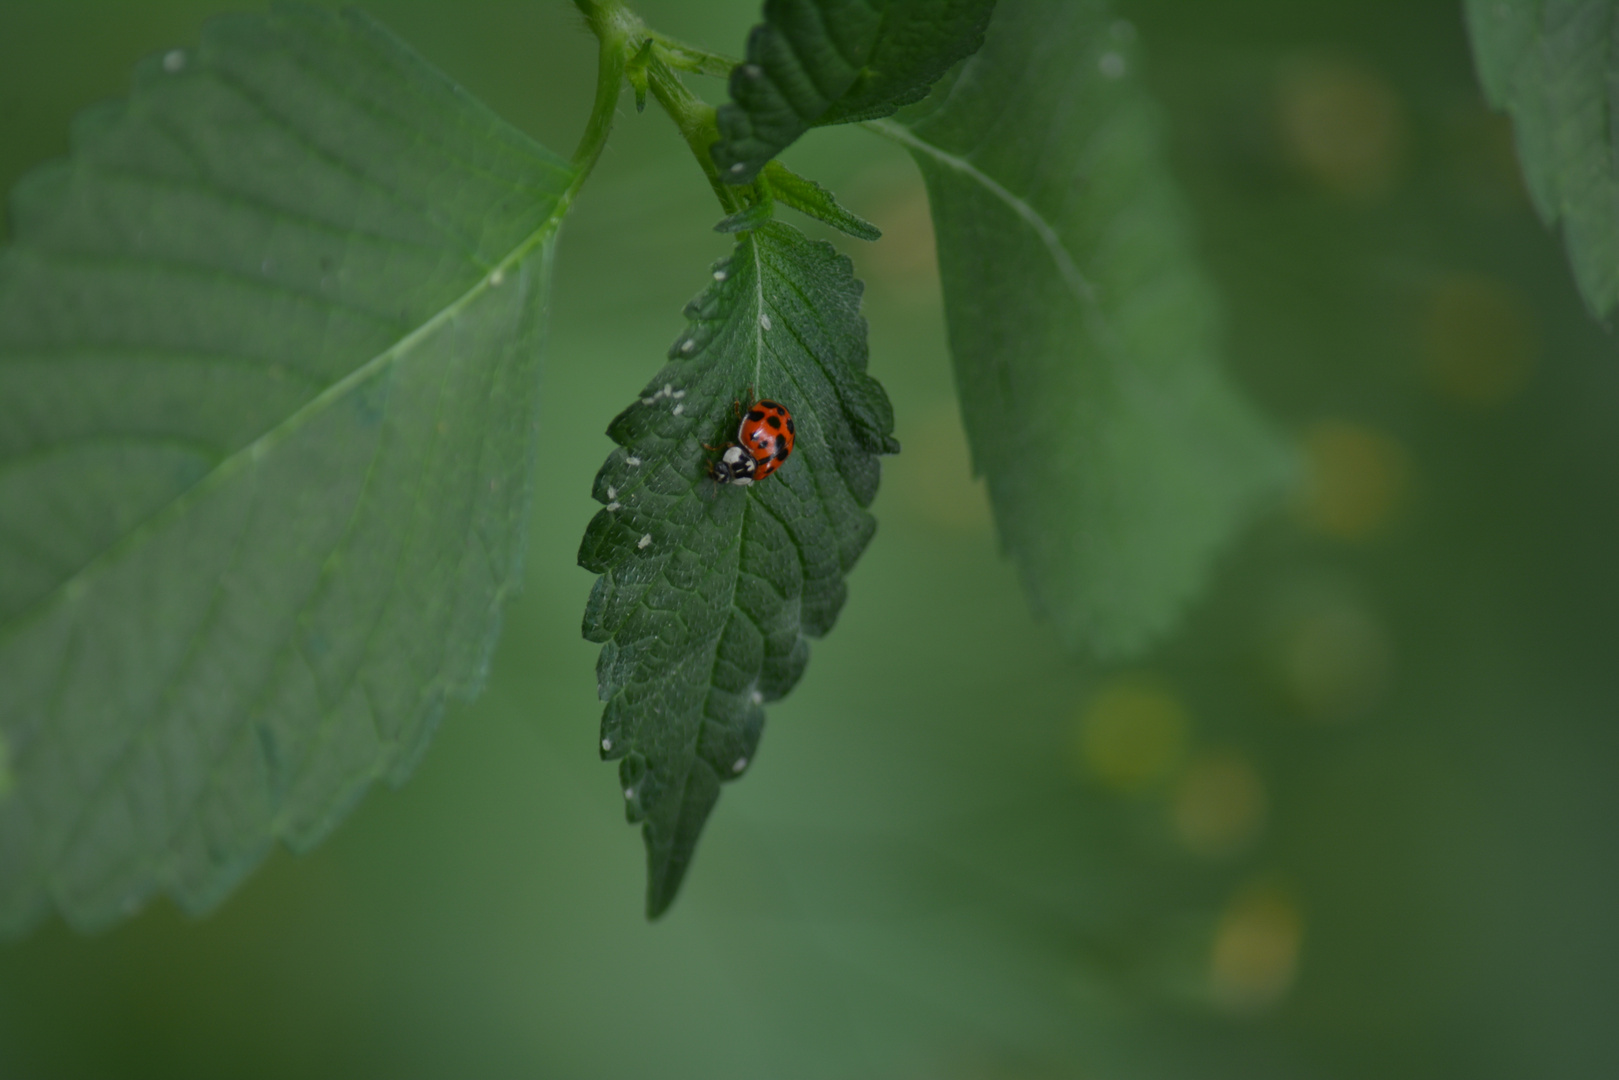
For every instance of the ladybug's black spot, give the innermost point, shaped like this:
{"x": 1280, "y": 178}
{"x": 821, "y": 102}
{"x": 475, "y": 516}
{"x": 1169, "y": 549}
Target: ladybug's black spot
{"x": 790, "y": 426}
{"x": 771, "y": 405}
{"x": 781, "y": 447}
{"x": 755, "y": 415}
{"x": 774, "y": 421}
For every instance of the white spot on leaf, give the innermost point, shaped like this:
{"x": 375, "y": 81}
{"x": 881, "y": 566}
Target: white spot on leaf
{"x": 1111, "y": 65}
{"x": 632, "y": 462}
{"x": 607, "y": 744}
{"x": 679, "y": 409}
{"x": 719, "y": 275}
{"x": 496, "y": 278}
{"x": 613, "y": 507}
{"x": 644, "y": 541}
{"x": 741, "y": 763}
{"x": 174, "y": 62}
{"x": 764, "y": 320}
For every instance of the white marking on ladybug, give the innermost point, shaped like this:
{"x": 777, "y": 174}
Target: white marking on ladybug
{"x": 644, "y": 541}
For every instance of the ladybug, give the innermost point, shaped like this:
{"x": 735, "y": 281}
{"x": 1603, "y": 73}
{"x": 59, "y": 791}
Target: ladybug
{"x": 766, "y": 432}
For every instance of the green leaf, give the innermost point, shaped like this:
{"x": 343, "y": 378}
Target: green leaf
{"x": 814, "y": 62}
{"x": 1555, "y": 68}
{"x": 748, "y": 218}
{"x": 708, "y": 593}
{"x": 268, "y": 359}
{"x": 810, "y": 198}
{"x": 1118, "y": 455}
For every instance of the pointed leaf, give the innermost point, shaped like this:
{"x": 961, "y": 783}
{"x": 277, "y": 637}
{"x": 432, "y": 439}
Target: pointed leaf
{"x": 708, "y": 593}
{"x": 1118, "y": 455}
{"x": 810, "y": 198}
{"x": 268, "y": 361}
{"x": 1555, "y": 68}
{"x": 815, "y": 62}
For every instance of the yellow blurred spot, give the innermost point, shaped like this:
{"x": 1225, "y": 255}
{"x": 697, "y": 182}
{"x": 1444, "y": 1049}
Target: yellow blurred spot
{"x": 1479, "y": 341}
{"x": 1256, "y": 948}
{"x": 1132, "y": 734}
{"x": 1219, "y": 805}
{"x": 936, "y": 471}
{"x": 1357, "y": 477}
{"x": 1342, "y": 125}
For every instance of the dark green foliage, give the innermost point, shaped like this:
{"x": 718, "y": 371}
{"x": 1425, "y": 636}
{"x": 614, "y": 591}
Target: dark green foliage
{"x": 1085, "y": 337}
{"x": 268, "y": 378}
{"x": 1555, "y": 68}
{"x": 814, "y": 62}
{"x": 708, "y": 593}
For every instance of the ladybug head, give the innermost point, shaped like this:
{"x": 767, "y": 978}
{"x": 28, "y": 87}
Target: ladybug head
{"x": 734, "y": 466}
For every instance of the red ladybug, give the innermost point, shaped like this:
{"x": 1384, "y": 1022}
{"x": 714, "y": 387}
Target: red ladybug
{"x": 766, "y": 432}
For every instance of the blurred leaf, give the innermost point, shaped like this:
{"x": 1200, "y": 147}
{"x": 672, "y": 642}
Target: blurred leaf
{"x": 268, "y": 358}
{"x": 814, "y": 62}
{"x": 707, "y": 593}
{"x": 1555, "y": 68}
{"x": 1119, "y": 458}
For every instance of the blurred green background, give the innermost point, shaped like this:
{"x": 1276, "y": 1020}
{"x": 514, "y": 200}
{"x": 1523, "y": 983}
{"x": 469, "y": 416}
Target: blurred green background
{"x": 1356, "y": 819}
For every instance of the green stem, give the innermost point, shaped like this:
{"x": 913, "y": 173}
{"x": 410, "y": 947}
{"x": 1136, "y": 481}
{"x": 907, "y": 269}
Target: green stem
{"x": 622, "y": 33}
{"x": 607, "y": 20}
{"x": 694, "y": 118}
{"x": 683, "y": 57}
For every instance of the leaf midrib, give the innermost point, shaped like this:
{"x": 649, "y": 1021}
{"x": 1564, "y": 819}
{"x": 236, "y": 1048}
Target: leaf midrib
{"x": 1100, "y": 322}
{"x": 1066, "y": 266}
{"x": 74, "y": 586}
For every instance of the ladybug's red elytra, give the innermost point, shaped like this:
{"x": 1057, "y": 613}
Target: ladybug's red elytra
{"x": 766, "y": 431}
{"x": 764, "y": 438}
